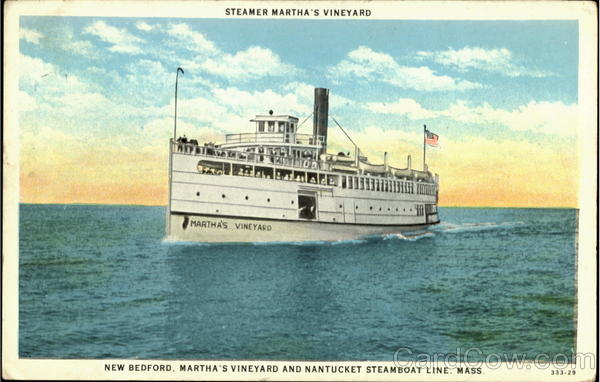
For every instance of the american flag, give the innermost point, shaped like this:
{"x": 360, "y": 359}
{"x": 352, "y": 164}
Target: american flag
{"x": 431, "y": 139}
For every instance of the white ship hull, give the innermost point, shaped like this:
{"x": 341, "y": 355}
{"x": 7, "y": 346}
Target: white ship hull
{"x": 230, "y": 208}
{"x": 201, "y": 228}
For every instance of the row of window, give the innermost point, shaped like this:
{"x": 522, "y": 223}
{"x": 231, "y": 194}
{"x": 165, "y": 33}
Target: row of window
{"x": 345, "y": 181}
{"x": 425, "y": 189}
{"x": 383, "y": 185}
{"x": 275, "y": 126}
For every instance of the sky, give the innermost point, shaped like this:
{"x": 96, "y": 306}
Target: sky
{"x": 96, "y": 100}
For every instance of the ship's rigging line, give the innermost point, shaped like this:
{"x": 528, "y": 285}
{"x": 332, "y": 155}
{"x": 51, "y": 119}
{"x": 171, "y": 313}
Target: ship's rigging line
{"x": 345, "y": 133}
{"x": 311, "y": 114}
{"x": 358, "y": 151}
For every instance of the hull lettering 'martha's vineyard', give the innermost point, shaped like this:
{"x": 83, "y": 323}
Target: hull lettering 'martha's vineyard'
{"x": 276, "y": 184}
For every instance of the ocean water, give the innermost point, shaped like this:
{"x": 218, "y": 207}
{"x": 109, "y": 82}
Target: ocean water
{"x": 100, "y": 282}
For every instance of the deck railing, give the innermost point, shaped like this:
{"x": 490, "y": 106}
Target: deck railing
{"x": 260, "y": 158}
{"x": 249, "y": 157}
{"x": 301, "y": 139}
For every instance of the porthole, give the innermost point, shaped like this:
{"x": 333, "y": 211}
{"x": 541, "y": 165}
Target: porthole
{"x": 246, "y": 197}
{"x": 371, "y": 208}
{"x": 389, "y": 209}
{"x": 198, "y": 193}
{"x": 292, "y": 202}
{"x": 379, "y": 208}
{"x": 217, "y": 211}
{"x": 268, "y": 200}
{"x": 333, "y": 219}
{"x": 223, "y": 196}
{"x": 356, "y": 207}
{"x": 340, "y": 206}
{"x": 396, "y": 209}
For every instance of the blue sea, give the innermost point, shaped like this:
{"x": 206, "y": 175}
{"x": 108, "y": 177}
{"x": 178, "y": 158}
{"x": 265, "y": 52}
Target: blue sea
{"x": 100, "y": 282}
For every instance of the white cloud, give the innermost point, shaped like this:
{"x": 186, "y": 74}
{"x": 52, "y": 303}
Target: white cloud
{"x": 545, "y": 117}
{"x": 30, "y": 35}
{"x": 61, "y": 37}
{"x": 247, "y": 104}
{"x": 554, "y": 118}
{"x": 144, "y": 26}
{"x": 83, "y": 104}
{"x": 83, "y": 47}
{"x": 374, "y": 141}
{"x": 147, "y": 78}
{"x": 251, "y": 63}
{"x": 364, "y": 63}
{"x": 404, "y": 106}
{"x": 197, "y": 109}
{"x": 305, "y": 94}
{"x": 248, "y": 64}
{"x": 229, "y": 110}
{"x": 492, "y": 60}
{"x": 26, "y": 102}
{"x": 193, "y": 40}
{"x": 121, "y": 40}
{"x": 46, "y": 79}
{"x": 62, "y": 95}
{"x": 32, "y": 69}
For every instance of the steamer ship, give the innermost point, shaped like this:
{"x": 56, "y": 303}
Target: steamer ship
{"x": 275, "y": 184}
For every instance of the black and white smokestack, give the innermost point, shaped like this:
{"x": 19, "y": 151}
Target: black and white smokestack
{"x": 321, "y": 116}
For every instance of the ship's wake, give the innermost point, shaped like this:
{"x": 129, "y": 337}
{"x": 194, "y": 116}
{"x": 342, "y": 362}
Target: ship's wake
{"x": 451, "y": 228}
{"x": 448, "y": 227}
{"x": 409, "y": 236}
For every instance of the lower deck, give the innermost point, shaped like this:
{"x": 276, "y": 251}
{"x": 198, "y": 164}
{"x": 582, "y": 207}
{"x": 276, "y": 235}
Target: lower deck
{"x": 223, "y": 229}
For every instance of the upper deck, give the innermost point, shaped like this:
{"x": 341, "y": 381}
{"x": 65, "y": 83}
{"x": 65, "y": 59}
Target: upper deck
{"x": 279, "y": 157}
{"x": 275, "y": 129}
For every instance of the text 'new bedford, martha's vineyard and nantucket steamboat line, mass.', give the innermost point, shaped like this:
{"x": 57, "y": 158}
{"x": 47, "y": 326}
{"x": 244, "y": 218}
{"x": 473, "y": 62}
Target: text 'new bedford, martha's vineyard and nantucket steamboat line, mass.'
{"x": 297, "y": 12}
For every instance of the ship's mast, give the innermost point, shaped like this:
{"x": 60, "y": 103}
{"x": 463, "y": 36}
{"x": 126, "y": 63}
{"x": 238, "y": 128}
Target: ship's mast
{"x": 176, "y": 79}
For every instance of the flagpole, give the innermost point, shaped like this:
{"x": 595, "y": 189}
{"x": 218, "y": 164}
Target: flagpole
{"x": 175, "y": 127}
{"x": 424, "y": 145}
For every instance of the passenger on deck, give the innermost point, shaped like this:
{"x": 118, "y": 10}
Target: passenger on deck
{"x": 323, "y": 181}
{"x": 312, "y": 180}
